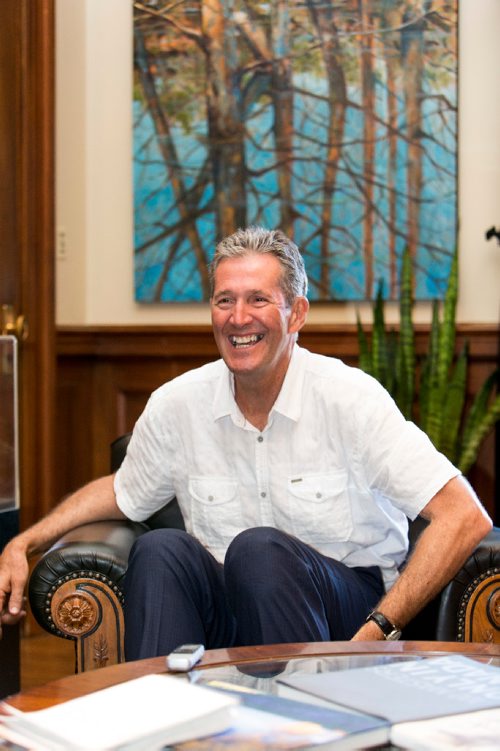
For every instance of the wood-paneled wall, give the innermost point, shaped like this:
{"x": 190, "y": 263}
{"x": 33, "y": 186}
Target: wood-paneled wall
{"x": 105, "y": 375}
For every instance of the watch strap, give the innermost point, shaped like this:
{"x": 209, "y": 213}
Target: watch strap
{"x": 390, "y": 631}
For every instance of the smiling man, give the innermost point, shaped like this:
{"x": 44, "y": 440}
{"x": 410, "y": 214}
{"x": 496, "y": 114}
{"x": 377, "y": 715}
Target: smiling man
{"x": 255, "y": 322}
{"x": 295, "y": 475}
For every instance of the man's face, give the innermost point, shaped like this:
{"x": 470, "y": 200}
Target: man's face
{"x": 253, "y": 325}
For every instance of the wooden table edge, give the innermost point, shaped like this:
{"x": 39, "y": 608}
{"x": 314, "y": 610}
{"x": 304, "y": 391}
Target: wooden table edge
{"x": 73, "y": 686}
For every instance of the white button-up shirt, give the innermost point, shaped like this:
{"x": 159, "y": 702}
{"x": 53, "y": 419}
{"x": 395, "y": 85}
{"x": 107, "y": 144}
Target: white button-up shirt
{"x": 337, "y": 465}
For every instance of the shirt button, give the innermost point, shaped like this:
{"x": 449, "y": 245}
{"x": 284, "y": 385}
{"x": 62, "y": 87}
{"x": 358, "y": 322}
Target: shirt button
{"x": 263, "y": 494}
{"x": 318, "y": 495}
{"x": 260, "y": 439}
{"x": 210, "y": 497}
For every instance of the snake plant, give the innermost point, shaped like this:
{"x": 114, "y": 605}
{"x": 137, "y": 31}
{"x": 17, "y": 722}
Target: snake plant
{"x": 431, "y": 392}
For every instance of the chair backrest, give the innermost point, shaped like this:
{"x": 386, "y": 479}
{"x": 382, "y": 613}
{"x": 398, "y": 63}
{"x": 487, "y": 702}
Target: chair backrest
{"x": 415, "y": 529}
{"x": 168, "y": 516}
{"x": 118, "y": 450}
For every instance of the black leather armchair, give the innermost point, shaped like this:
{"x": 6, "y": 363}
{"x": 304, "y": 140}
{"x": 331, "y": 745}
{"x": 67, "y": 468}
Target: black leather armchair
{"x": 75, "y": 590}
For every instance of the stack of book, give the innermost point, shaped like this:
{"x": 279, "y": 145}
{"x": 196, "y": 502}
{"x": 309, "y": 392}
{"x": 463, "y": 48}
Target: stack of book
{"x": 144, "y": 713}
{"x": 159, "y": 711}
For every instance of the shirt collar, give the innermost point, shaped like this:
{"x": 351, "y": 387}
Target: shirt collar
{"x": 288, "y": 403}
{"x": 224, "y": 402}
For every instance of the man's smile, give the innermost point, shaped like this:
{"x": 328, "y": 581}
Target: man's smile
{"x": 245, "y": 341}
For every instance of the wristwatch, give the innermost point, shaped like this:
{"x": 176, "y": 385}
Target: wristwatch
{"x": 389, "y": 630}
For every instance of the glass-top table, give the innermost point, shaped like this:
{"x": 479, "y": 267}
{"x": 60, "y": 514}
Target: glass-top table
{"x": 256, "y": 667}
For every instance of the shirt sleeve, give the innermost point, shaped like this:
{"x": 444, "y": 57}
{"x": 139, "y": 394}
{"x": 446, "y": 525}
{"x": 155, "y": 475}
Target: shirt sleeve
{"x": 143, "y": 483}
{"x": 397, "y": 457}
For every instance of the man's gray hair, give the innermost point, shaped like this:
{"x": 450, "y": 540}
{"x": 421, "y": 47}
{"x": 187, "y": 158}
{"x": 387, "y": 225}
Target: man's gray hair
{"x": 260, "y": 240}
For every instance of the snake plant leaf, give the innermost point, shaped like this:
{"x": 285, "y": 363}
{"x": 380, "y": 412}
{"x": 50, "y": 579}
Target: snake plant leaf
{"x": 365, "y": 358}
{"x": 469, "y": 451}
{"x": 406, "y": 365}
{"x": 379, "y": 341}
{"x": 479, "y": 407}
{"x": 423, "y": 401}
{"x": 429, "y": 378}
{"x": 447, "y": 330}
{"x": 434, "y": 342}
{"x": 442, "y": 349}
{"x": 434, "y": 416}
{"x": 393, "y": 348}
{"x": 453, "y": 405}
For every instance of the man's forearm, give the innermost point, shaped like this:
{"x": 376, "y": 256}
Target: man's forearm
{"x": 94, "y": 502}
{"x": 429, "y": 569}
{"x": 457, "y": 524}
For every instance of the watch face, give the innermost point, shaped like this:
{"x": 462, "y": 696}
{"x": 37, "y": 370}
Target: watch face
{"x": 394, "y": 635}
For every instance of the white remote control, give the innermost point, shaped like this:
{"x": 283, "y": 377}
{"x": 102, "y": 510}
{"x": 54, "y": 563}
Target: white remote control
{"x": 185, "y": 657}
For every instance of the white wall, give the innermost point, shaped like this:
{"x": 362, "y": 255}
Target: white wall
{"x": 94, "y": 171}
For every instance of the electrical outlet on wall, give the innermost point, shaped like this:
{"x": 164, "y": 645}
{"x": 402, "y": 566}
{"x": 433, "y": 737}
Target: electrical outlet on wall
{"x": 61, "y": 244}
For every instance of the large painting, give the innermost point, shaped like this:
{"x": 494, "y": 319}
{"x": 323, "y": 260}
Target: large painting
{"x": 335, "y": 120}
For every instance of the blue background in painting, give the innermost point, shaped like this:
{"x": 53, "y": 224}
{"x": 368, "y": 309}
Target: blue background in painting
{"x": 156, "y": 213}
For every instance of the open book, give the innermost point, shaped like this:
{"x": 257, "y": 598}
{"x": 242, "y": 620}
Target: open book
{"x": 407, "y": 690}
{"x": 144, "y": 713}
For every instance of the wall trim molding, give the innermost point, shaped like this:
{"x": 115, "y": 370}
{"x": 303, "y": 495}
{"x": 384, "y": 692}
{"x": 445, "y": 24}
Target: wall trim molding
{"x": 179, "y": 340}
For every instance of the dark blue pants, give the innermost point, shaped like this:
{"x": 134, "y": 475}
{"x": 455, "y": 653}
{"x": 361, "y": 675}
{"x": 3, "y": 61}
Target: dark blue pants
{"x": 272, "y": 589}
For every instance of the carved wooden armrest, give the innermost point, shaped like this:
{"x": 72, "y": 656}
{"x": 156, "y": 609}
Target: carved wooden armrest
{"x": 470, "y": 604}
{"x": 75, "y": 590}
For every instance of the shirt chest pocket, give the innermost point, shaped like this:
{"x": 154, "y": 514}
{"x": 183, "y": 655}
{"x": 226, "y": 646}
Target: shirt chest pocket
{"x": 319, "y": 506}
{"x": 215, "y": 509}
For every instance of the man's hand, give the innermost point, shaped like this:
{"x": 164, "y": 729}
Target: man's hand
{"x": 94, "y": 502}
{"x": 13, "y": 577}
